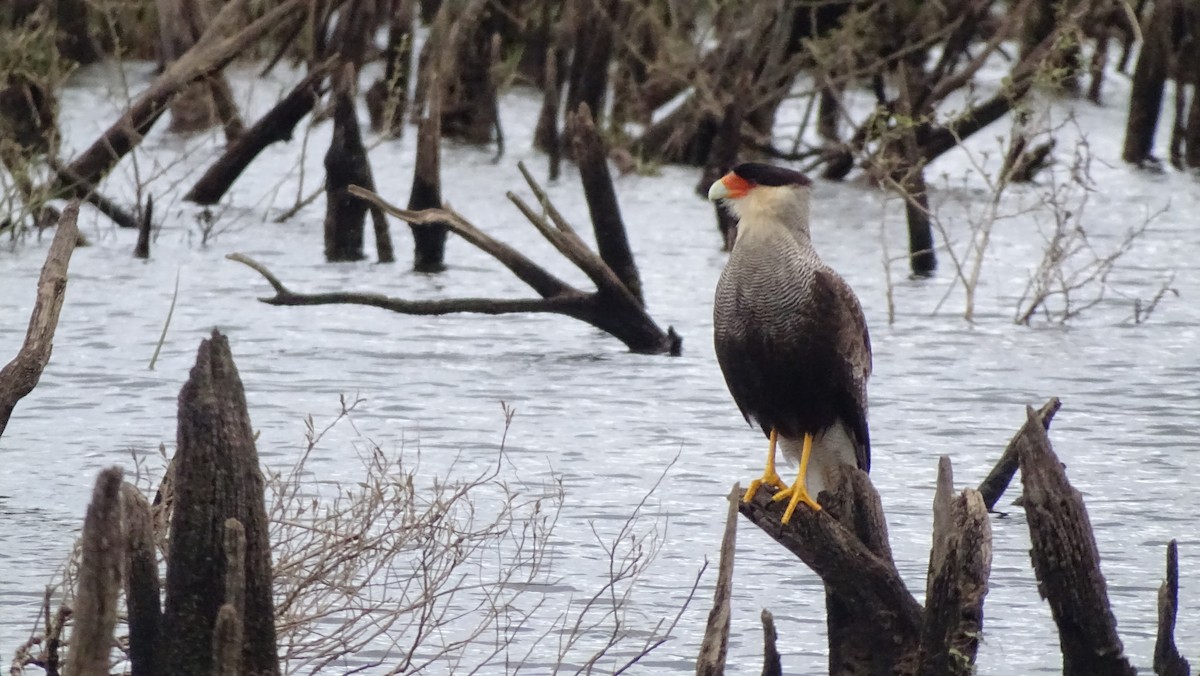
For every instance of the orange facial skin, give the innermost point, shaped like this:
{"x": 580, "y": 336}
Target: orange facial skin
{"x": 736, "y": 185}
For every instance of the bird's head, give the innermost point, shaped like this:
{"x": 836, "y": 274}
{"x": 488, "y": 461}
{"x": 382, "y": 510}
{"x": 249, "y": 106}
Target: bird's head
{"x": 754, "y": 191}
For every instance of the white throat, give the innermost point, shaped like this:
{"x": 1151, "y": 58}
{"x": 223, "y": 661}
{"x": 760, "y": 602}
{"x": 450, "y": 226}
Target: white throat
{"x": 765, "y": 207}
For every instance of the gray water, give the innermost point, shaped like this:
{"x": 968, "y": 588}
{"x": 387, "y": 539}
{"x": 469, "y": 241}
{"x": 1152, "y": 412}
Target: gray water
{"x": 607, "y": 422}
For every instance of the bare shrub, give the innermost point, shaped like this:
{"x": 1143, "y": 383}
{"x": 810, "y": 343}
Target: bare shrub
{"x": 393, "y": 573}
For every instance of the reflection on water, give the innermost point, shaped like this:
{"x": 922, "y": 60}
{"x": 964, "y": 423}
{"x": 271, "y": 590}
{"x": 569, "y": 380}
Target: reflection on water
{"x": 605, "y": 421}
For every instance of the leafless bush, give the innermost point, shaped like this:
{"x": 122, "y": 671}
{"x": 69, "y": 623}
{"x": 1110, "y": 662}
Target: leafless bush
{"x": 390, "y": 572}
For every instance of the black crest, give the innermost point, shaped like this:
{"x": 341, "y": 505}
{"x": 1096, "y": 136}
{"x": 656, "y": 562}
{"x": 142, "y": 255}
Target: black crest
{"x": 769, "y": 175}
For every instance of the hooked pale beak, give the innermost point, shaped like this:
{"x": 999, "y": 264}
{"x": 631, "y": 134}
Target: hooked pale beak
{"x": 728, "y": 187}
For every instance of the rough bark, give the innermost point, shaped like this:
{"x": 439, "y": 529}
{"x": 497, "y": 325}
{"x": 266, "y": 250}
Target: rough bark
{"x": 611, "y": 239}
{"x": 874, "y": 622}
{"x": 992, "y": 487}
{"x": 1067, "y": 562}
{"x": 276, "y": 126}
{"x": 99, "y": 584}
{"x": 1149, "y": 78}
{"x": 217, "y": 477}
{"x": 21, "y": 375}
{"x": 143, "y": 603}
{"x": 715, "y": 645}
{"x": 345, "y": 165}
{"x": 959, "y": 566}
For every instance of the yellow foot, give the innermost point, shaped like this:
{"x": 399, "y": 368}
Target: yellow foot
{"x": 795, "y": 495}
{"x": 770, "y": 478}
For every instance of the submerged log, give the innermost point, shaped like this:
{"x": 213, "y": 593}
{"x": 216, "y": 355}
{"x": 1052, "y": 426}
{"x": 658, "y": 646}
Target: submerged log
{"x": 277, "y": 125}
{"x": 217, "y": 477}
{"x": 21, "y": 375}
{"x": 612, "y": 307}
{"x": 1067, "y": 561}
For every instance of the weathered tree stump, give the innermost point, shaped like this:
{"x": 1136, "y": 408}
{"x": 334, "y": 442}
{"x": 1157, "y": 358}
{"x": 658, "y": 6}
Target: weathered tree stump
{"x": 217, "y": 477}
{"x": 345, "y": 165}
{"x": 387, "y": 98}
{"x": 429, "y": 240}
{"x": 21, "y": 375}
{"x": 1067, "y": 561}
{"x": 99, "y": 584}
{"x": 142, "y": 248}
{"x": 1167, "y": 660}
{"x": 143, "y": 602}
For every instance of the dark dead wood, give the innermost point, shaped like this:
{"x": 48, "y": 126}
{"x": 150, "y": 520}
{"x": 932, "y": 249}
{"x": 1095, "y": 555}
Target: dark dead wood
{"x": 1167, "y": 660}
{"x": 217, "y": 477}
{"x": 611, "y": 239}
{"x": 234, "y": 548}
{"x": 1001, "y": 475}
{"x": 345, "y": 165}
{"x": 208, "y": 100}
{"x": 1067, "y": 562}
{"x": 21, "y": 375}
{"x": 227, "y": 634}
{"x": 219, "y": 45}
{"x": 99, "y": 583}
{"x": 959, "y": 567}
{"x": 87, "y": 191}
{"x": 277, "y": 125}
{"x": 772, "y": 664}
{"x": 612, "y": 308}
{"x": 874, "y": 622}
{"x": 468, "y": 107}
{"x": 72, "y": 24}
{"x": 429, "y": 239}
{"x": 142, "y": 601}
{"x": 545, "y": 135}
{"x": 587, "y": 79}
{"x": 142, "y": 248}
{"x": 227, "y": 642}
{"x": 1149, "y": 78}
{"x": 715, "y": 645}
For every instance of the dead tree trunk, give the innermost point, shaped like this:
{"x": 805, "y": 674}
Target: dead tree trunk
{"x": 277, "y": 125}
{"x": 143, "y": 603}
{"x": 74, "y": 40}
{"x": 217, "y": 477}
{"x": 99, "y": 584}
{"x": 587, "y": 80}
{"x": 1149, "y": 78}
{"x": 429, "y": 240}
{"x": 345, "y": 165}
{"x": 464, "y": 52}
{"x": 21, "y": 375}
{"x": 1067, "y": 562}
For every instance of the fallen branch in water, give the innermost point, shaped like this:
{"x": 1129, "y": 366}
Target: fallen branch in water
{"x": 613, "y": 307}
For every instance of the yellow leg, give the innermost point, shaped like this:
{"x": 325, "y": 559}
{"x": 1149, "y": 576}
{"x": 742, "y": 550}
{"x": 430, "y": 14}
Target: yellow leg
{"x": 799, "y": 491}
{"x": 770, "y": 476}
